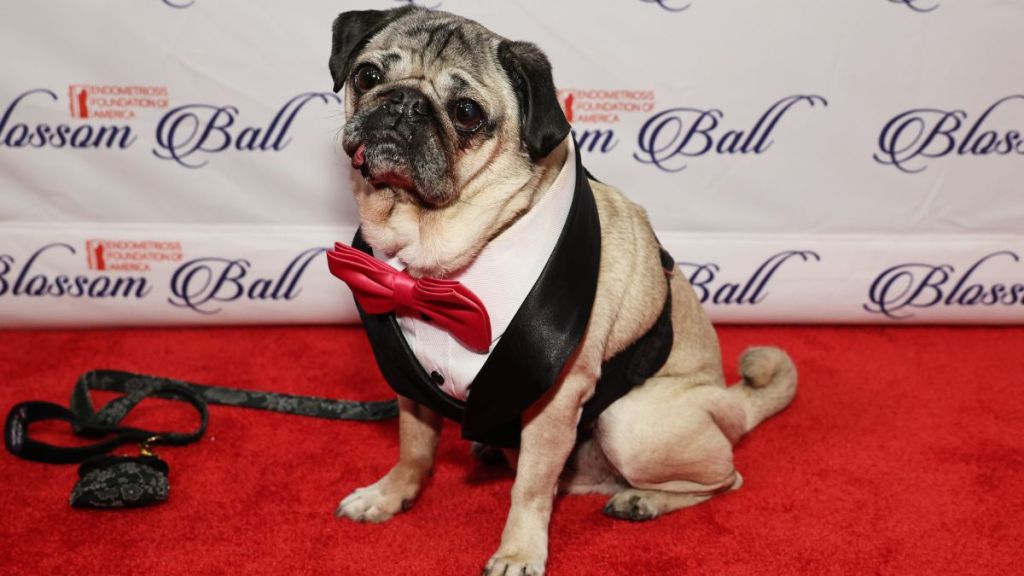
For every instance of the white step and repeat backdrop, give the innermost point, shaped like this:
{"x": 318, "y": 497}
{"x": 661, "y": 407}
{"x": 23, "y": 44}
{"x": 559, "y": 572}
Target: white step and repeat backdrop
{"x": 178, "y": 161}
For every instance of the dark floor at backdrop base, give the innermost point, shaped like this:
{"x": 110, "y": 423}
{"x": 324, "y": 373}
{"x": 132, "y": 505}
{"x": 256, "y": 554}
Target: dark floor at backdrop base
{"x": 902, "y": 454}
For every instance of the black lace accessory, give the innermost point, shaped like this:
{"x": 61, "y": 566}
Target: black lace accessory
{"x": 121, "y": 482}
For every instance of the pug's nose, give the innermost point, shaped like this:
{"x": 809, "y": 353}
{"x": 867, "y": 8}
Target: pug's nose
{"x": 407, "y": 101}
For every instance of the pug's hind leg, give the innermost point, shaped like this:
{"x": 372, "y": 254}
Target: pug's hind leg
{"x": 419, "y": 430}
{"x": 672, "y": 443}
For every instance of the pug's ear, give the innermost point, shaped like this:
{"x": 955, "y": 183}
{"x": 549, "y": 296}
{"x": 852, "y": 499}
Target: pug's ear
{"x": 352, "y": 30}
{"x": 542, "y": 122}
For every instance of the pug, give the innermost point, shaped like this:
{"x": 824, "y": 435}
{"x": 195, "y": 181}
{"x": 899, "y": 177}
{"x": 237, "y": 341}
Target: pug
{"x": 598, "y": 371}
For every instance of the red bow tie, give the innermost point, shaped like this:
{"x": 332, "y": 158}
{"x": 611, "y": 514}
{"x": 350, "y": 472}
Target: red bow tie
{"x": 380, "y": 289}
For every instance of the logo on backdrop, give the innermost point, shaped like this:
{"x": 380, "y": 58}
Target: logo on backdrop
{"x": 918, "y": 5}
{"x": 110, "y": 101}
{"x": 130, "y": 255}
{"x": 189, "y": 134}
{"x": 748, "y": 289}
{"x": 204, "y": 284}
{"x": 899, "y": 290}
{"x": 594, "y": 113}
{"x": 179, "y": 3}
{"x": 670, "y": 5}
{"x": 186, "y": 134}
{"x": 671, "y": 137}
{"x": 912, "y": 138}
{"x": 33, "y": 278}
{"x": 20, "y": 134}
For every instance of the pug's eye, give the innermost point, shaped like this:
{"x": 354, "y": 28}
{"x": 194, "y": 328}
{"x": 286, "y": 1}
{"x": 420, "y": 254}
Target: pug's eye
{"x": 468, "y": 115}
{"x": 366, "y": 77}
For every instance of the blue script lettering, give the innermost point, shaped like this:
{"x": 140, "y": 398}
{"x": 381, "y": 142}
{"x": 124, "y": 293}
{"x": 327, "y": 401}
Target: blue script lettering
{"x": 670, "y": 5}
{"x": 931, "y": 133}
{"x": 199, "y": 284}
{"x": 27, "y": 282}
{"x": 916, "y": 285}
{"x": 595, "y": 140}
{"x": 6, "y": 263}
{"x": 21, "y": 135}
{"x": 666, "y": 140}
{"x": 206, "y": 129}
{"x": 750, "y": 291}
{"x": 916, "y": 5}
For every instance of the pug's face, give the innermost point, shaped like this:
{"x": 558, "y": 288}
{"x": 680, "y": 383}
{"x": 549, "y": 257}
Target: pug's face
{"x": 438, "y": 107}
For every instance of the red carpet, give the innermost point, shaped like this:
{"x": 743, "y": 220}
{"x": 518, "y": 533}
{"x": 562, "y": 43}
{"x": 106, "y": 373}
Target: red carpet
{"x": 902, "y": 454}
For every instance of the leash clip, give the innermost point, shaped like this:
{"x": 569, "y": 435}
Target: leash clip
{"x": 145, "y": 447}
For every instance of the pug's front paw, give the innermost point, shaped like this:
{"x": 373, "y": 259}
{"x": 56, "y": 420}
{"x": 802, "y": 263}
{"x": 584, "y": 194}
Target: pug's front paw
{"x": 514, "y": 564}
{"x": 373, "y": 503}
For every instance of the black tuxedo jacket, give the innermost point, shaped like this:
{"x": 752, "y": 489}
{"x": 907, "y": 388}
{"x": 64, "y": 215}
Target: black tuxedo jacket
{"x": 529, "y": 358}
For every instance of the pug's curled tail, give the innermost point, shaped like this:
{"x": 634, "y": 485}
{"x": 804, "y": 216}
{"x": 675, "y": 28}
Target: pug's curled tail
{"x": 768, "y": 385}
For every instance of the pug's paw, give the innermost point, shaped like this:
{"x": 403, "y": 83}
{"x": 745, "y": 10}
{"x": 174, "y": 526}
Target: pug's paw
{"x": 373, "y": 503}
{"x": 631, "y": 505}
{"x": 514, "y": 564}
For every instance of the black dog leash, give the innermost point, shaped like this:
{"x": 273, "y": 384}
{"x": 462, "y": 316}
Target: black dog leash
{"x": 88, "y": 422}
{"x": 131, "y": 481}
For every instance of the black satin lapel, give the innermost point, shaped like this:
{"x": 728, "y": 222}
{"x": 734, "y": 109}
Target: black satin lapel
{"x": 397, "y": 363}
{"x": 545, "y": 331}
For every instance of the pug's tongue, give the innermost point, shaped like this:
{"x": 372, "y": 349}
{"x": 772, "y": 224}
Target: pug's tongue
{"x": 359, "y": 157}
